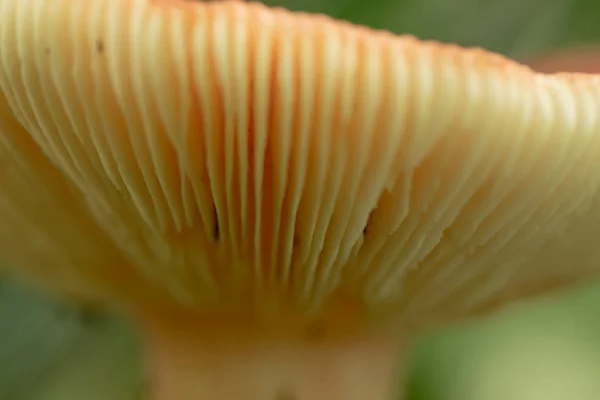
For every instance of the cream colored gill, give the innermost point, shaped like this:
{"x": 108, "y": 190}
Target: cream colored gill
{"x": 227, "y": 153}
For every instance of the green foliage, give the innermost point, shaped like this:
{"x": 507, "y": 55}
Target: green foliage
{"x": 513, "y": 27}
{"x": 446, "y": 363}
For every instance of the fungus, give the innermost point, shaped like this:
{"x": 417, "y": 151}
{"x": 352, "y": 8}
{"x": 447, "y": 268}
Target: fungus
{"x": 585, "y": 59}
{"x": 279, "y": 200}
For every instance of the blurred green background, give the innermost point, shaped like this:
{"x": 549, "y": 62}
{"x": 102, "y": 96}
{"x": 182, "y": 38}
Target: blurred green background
{"x": 547, "y": 350}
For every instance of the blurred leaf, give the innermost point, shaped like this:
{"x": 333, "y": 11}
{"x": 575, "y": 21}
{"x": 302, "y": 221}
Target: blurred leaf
{"x": 513, "y": 27}
{"x": 34, "y": 332}
{"x": 447, "y": 363}
{"x": 582, "y": 23}
{"x": 102, "y": 364}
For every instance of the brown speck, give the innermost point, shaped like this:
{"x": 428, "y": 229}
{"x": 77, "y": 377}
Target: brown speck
{"x": 48, "y": 51}
{"x": 285, "y": 395}
{"x": 316, "y": 331}
{"x": 366, "y": 228}
{"x": 99, "y": 46}
{"x": 216, "y": 230}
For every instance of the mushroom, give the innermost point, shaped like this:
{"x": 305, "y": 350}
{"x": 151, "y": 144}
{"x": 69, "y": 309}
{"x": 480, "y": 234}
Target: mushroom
{"x": 280, "y": 201}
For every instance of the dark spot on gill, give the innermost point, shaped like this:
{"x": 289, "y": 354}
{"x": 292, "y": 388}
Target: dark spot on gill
{"x": 366, "y": 228}
{"x": 48, "y": 51}
{"x": 295, "y": 246}
{"x": 216, "y": 230}
{"x": 316, "y": 331}
{"x": 99, "y": 46}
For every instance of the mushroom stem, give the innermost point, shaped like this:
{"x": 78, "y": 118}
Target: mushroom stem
{"x": 188, "y": 364}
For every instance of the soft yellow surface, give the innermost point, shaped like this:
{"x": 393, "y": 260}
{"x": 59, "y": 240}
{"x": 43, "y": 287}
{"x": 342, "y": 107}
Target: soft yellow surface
{"x": 229, "y": 154}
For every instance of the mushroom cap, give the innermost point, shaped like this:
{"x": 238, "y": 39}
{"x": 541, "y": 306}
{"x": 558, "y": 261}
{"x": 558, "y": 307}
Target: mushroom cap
{"x": 231, "y": 156}
{"x": 573, "y": 59}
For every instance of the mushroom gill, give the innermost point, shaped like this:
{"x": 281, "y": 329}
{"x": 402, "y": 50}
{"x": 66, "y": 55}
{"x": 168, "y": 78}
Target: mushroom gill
{"x": 227, "y": 170}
